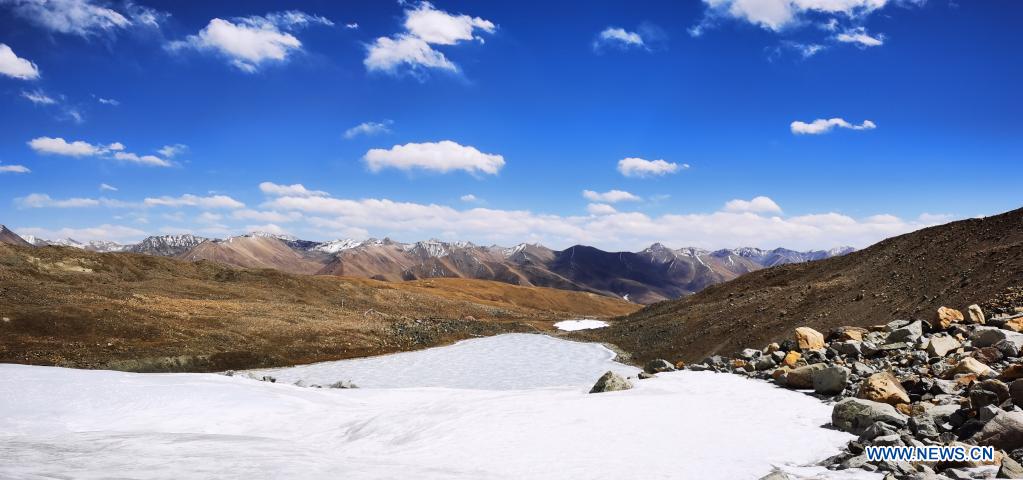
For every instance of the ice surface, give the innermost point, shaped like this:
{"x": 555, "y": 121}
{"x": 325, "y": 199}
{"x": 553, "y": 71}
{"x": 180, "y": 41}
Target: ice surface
{"x": 504, "y": 362}
{"x": 82, "y": 424}
{"x": 584, "y": 324}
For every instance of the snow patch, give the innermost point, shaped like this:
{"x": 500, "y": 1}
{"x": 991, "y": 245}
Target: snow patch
{"x": 584, "y": 324}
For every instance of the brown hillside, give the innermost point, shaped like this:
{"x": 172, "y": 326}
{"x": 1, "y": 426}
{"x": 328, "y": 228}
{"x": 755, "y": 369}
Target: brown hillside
{"x": 253, "y": 252}
{"x": 970, "y": 261}
{"x": 69, "y": 307}
{"x": 11, "y": 238}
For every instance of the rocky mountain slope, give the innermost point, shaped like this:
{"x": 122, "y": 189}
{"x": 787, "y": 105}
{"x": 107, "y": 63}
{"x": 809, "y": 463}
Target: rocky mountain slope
{"x": 167, "y": 245}
{"x": 905, "y": 277}
{"x": 252, "y": 251}
{"x": 11, "y": 238}
{"x": 70, "y": 307}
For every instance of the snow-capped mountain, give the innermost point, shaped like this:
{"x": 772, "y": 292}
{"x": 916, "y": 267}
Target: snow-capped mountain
{"x": 167, "y": 245}
{"x": 335, "y": 246}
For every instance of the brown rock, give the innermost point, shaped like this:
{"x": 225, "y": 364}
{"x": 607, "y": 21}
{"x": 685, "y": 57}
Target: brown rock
{"x": 976, "y": 315}
{"x": 791, "y": 358}
{"x": 904, "y": 408}
{"x": 883, "y": 387}
{"x": 844, "y": 334}
{"x": 1015, "y": 324}
{"x": 969, "y": 365}
{"x": 987, "y": 355}
{"x": 941, "y": 345}
{"x": 1016, "y": 392}
{"x": 1012, "y": 372}
{"x": 809, "y": 339}
{"x": 679, "y": 365}
{"x": 945, "y": 317}
{"x": 1005, "y": 431}
{"x": 802, "y": 377}
{"x": 773, "y": 347}
{"x": 778, "y": 373}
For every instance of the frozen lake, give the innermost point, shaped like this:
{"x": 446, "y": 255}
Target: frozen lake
{"x": 421, "y": 420}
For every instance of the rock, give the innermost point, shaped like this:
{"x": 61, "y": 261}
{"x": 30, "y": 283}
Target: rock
{"x": 1012, "y": 372}
{"x": 776, "y": 475}
{"x": 644, "y": 375}
{"x": 849, "y": 348}
{"x": 809, "y": 339}
{"x": 854, "y": 415}
{"x": 1016, "y": 392}
{"x": 907, "y": 334}
{"x": 845, "y": 334}
{"x": 773, "y": 347}
{"x": 343, "y": 384}
{"x": 1015, "y": 324}
{"x": 989, "y": 336}
{"x": 1009, "y": 469}
{"x": 802, "y": 377}
{"x": 987, "y": 355}
{"x": 941, "y": 345}
{"x": 883, "y": 387}
{"x": 791, "y": 358}
{"x": 945, "y": 317}
{"x": 969, "y": 365}
{"x": 862, "y": 369}
{"x": 764, "y": 363}
{"x": 1005, "y": 431}
{"x": 830, "y": 380}
{"x": 610, "y": 382}
{"x": 750, "y": 354}
{"x": 975, "y": 314}
{"x": 658, "y": 366}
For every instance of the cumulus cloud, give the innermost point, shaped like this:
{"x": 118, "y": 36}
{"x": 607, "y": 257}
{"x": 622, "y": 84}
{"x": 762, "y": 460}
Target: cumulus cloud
{"x": 776, "y": 15}
{"x": 610, "y": 196}
{"x": 821, "y": 125}
{"x": 41, "y": 200}
{"x": 188, "y": 200}
{"x": 14, "y": 66}
{"x": 759, "y": 204}
{"x": 252, "y": 42}
{"x": 860, "y": 37}
{"x": 171, "y": 151}
{"x": 443, "y": 156}
{"x": 425, "y": 26}
{"x": 14, "y": 169}
{"x": 103, "y": 187}
{"x": 108, "y": 101}
{"x": 38, "y": 97}
{"x": 266, "y": 216}
{"x": 600, "y": 209}
{"x": 618, "y": 37}
{"x": 79, "y": 148}
{"x": 296, "y": 190}
{"x": 75, "y": 17}
{"x": 638, "y": 167}
{"x": 118, "y": 233}
{"x": 368, "y": 129}
{"x": 469, "y": 198}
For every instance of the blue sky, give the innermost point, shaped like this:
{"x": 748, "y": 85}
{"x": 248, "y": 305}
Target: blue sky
{"x": 715, "y": 123}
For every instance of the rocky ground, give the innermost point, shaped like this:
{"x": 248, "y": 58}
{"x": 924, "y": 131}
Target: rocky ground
{"x": 952, "y": 379}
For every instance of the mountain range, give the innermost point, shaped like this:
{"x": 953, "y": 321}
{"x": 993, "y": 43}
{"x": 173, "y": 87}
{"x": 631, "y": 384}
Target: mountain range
{"x": 654, "y": 274}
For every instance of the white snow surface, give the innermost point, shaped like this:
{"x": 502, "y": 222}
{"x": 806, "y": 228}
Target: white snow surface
{"x": 583, "y": 324}
{"x": 89, "y": 424}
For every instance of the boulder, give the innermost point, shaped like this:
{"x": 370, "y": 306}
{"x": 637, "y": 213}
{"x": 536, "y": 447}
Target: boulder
{"x": 883, "y": 387}
{"x": 848, "y": 348}
{"x": 1016, "y": 392}
{"x": 802, "y": 377}
{"x": 941, "y": 345}
{"x": 1010, "y": 468}
{"x": 854, "y": 415}
{"x": 907, "y": 334}
{"x": 791, "y": 358}
{"x": 1005, "y": 431}
{"x": 975, "y": 314}
{"x": 809, "y": 339}
{"x": 945, "y": 317}
{"x": 968, "y": 366}
{"x": 989, "y": 336}
{"x": 1015, "y": 324}
{"x": 611, "y": 382}
{"x": 1012, "y": 372}
{"x": 845, "y": 334}
{"x": 658, "y": 366}
{"x": 831, "y": 380}
{"x": 776, "y": 475}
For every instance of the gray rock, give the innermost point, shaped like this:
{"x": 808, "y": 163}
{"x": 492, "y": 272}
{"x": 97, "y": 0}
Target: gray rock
{"x": 778, "y": 356}
{"x": 862, "y": 369}
{"x": 776, "y": 475}
{"x": 849, "y": 348}
{"x": 644, "y": 375}
{"x": 923, "y": 426}
{"x": 941, "y": 345}
{"x": 750, "y": 354}
{"x": 1005, "y": 431}
{"x": 658, "y": 366}
{"x": 907, "y": 334}
{"x": 802, "y": 377}
{"x": 988, "y": 336}
{"x": 1016, "y": 391}
{"x": 610, "y": 382}
{"x": 877, "y": 429}
{"x": 1010, "y": 468}
{"x": 765, "y": 363}
{"x": 854, "y": 415}
{"x": 831, "y": 380}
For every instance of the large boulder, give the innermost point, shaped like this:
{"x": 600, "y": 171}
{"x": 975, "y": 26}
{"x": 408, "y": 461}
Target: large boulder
{"x": 854, "y": 415}
{"x": 968, "y": 366}
{"x": 988, "y": 336}
{"x": 611, "y": 382}
{"x": 809, "y": 339}
{"x": 883, "y": 387}
{"x": 945, "y": 317}
{"x": 802, "y": 377}
{"x": 831, "y": 380}
{"x": 941, "y": 345}
{"x": 1016, "y": 391}
{"x": 1005, "y": 431}
{"x": 907, "y": 334}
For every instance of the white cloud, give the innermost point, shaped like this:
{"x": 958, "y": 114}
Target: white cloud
{"x": 118, "y": 233}
{"x": 108, "y": 101}
{"x": 14, "y": 169}
{"x": 610, "y": 196}
{"x": 638, "y": 167}
{"x": 251, "y": 42}
{"x": 776, "y": 15}
{"x": 618, "y": 230}
{"x": 267, "y": 228}
{"x": 759, "y": 204}
{"x": 38, "y": 97}
{"x": 103, "y": 187}
{"x": 618, "y": 37}
{"x": 600, "y": 209}
{"x": 78, "y": 148}
{"x": 171, "y": 151}
{"x": 209, "y": 217}
{"x": 424, "y": 26}
{"x": 14, "y": 66}
{"x": 821, "y": 125}
{"x": 443, "y": 156}
{"x": 860, "y": 37}
{"x": 266, "y": 216}
{"x": 76, "y": 17}
{"x": 352, "y": 26}
{"x": 296, "y": 190}
{"x": 368, "y": 129}
{"x": 188, "y": 200}
{"x": 469, "y": 198}
{"x": 41, "y": 200}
